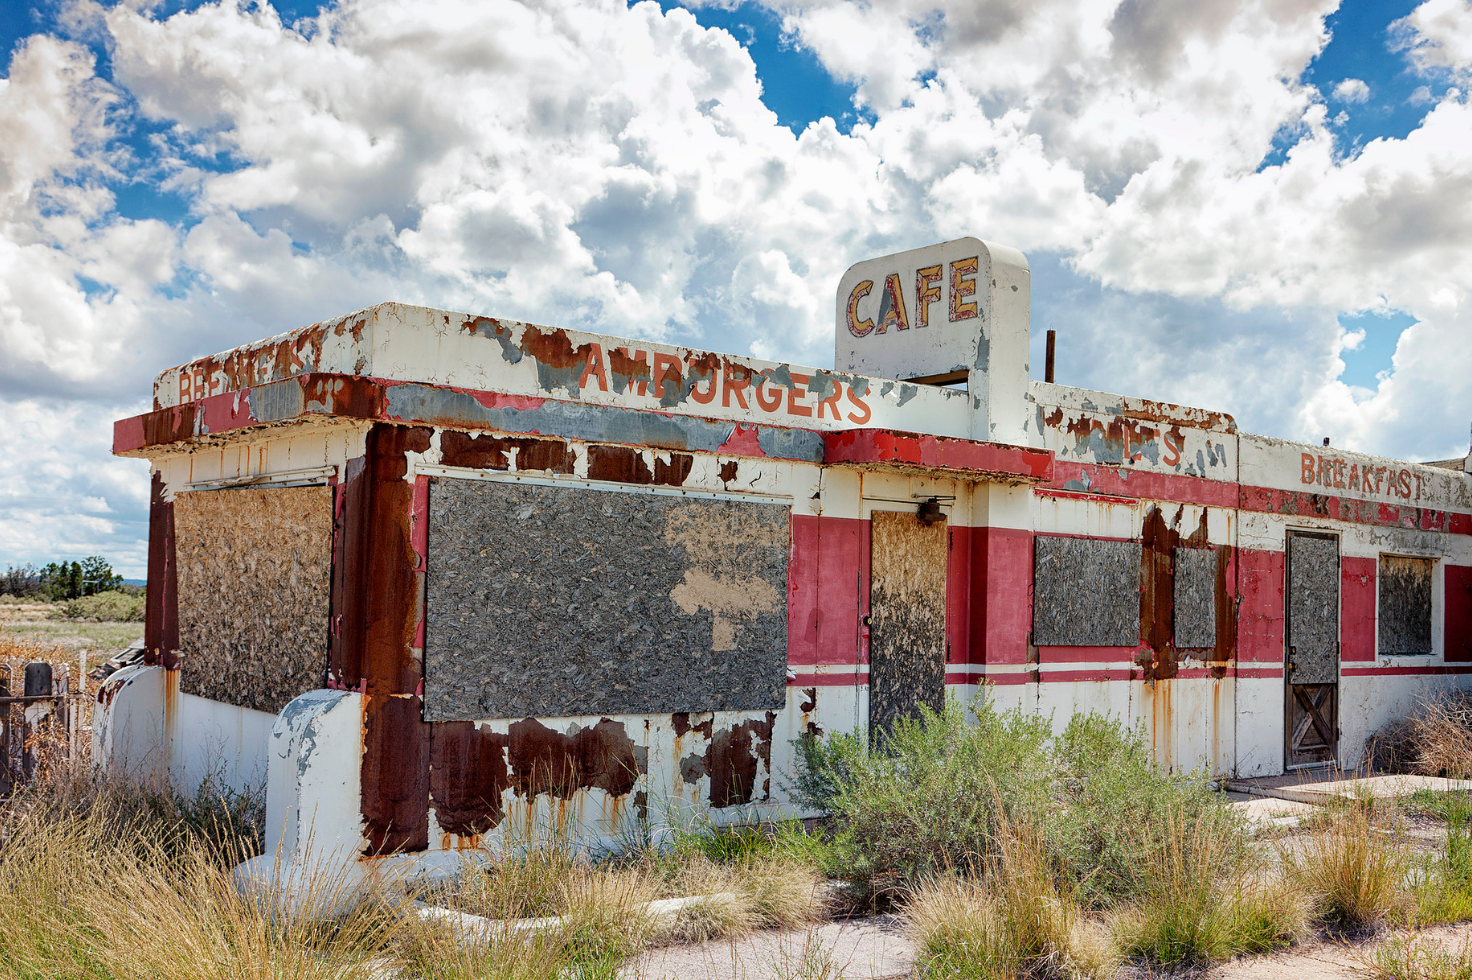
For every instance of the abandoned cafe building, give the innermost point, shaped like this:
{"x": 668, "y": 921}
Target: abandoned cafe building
{"x": 438, "y": 580}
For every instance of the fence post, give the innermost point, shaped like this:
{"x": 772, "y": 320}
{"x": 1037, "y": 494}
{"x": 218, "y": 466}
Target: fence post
{"x": 35, "y": 713}
{"x": 7, "y": 780}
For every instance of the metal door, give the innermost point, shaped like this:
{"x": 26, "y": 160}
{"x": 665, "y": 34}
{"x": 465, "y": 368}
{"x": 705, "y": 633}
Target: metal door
{"x": 1311, "y": 671}
{"x": 907, "y": 618}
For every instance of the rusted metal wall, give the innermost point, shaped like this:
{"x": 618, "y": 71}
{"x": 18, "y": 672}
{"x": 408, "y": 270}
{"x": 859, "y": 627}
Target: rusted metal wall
{"x": 1405, "y": 604}
{"x": 254, "y": 567}
{"x": 554, "y": 601}
{"x": 907, "y": 634}
{"x": 1195, "y": 598}
{"x": 1086, "y": 592}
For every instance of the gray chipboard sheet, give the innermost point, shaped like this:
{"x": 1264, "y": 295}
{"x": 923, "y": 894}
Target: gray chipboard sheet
{"x": 1194, "y": 598}
{"x": 1313, "y": 608}
{"x": 548, "y": 601}
{"x": 1085, "y": 592}
{"x": 1405, "y": 605}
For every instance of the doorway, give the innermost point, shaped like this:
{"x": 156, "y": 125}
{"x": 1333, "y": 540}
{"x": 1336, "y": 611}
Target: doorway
{"x": 907, "y": 618}
{"x": 1311, "y": 667}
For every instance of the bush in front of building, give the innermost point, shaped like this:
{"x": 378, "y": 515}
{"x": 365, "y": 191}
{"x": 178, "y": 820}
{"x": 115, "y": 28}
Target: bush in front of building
{"x": 931, "y": 797}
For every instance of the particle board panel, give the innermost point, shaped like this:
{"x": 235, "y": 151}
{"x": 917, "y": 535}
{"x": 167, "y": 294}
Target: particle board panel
{"x": 907, "y": 609}
{"x": 1086, "y": 592}
{"x": 1405, "y": 604}
{"x": 1194, "y": 598}
{"x": 254, "y": 569}
{"x": 547, "y": 601}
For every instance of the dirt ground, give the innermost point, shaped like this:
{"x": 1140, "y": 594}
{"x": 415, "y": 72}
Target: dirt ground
{"x": 875, "y": 947}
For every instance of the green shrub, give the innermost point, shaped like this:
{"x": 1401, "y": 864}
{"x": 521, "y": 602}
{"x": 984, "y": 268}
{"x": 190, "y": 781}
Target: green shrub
{"x": 928, "y": 799}
{"x": 1117, "y": 804}
{"x": 104, "y": 607}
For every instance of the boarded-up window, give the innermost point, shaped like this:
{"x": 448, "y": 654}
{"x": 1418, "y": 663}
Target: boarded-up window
{"x": 550, "y": 601}
{"x": 1086, "y": 592}
{"x": 254, "y": 576}
{"x": 1405, "y": 604}
{"x": 1194, "y": 598}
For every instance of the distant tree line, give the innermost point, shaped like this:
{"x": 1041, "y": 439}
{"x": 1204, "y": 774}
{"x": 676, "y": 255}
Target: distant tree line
{"x": 61, "y": 580}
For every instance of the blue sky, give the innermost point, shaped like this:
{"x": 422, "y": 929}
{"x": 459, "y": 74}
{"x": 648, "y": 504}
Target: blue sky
{"x": 1219, "y": 210}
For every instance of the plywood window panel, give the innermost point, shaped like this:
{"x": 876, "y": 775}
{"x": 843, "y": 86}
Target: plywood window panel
{"x": 1194, "y": 599}
{"x": 553, "y": 601}
{"x": 254, "y": 569}
{"x": 1405, "y": 604}
{"x": 907, "y": 614}
{"x": 1086, "y": 592}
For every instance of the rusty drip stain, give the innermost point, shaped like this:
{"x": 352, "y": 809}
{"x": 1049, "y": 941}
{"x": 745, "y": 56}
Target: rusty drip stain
{"x": 1157, "y": 597}
{"x": 468, "y": 774}
{"x": 161, "y": 602}
{"x": 731, "y": 761}
{"x": 395, "y": 797}
{"x": 544, "y": 761}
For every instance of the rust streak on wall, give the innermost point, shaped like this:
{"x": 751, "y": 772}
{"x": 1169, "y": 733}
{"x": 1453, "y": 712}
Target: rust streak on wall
{"x": 494, "y": 453}
{"x": 467, "y": 775}
{"x": 383, "y": 584}
{"x": 161, "y": 604}
{"x": 732, "y": 761}
{"x": 544, "y": 761}
{"x": 681, "y": 721}
{"x": 349, "y": 586}
{"x": 1157, "y": 598}
{"x": 619, "y": 464}
{"x": 1226, "y": 612}
{"x": 395, "y": 776}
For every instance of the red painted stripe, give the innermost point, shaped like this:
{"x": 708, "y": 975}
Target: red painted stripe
{"x": 1302, "y": 503}
{"x": 1458, "y": 609}
{"x": 1260, "y": 620}
{"x": 936, "y": 452}
{"x": 1057, "y": 676}
{"x": 1140, "y": 484}
{"x": 1258, "y": 671}
{"x": 823, "y": 589}
{"x": 1001, "y": 595}
{"x": 1405, "y": 671}
{"x": 1357, "y": 608}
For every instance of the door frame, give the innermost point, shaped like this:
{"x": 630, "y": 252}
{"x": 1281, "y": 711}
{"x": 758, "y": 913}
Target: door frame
{"x": 1288, "y": 694}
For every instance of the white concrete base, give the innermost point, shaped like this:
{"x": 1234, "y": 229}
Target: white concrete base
{"x": 128, "y": 735}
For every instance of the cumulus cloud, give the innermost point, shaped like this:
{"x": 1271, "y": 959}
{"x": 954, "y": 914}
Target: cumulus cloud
{"x": 1352, "y": 90}
{"x": 614, "y": 167}
{"x": 1437, "y": 36}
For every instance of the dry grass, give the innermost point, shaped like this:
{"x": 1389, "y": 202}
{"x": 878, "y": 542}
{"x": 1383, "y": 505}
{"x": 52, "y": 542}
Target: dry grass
{"x": 1442, "y": 734}
{"x": 1354, "y": 867}
{"x": 1417, "y": 958}
{"x": 1012, "y": 921}
{"x": 93, "y": 895}
{"x": 1199, "y": 898}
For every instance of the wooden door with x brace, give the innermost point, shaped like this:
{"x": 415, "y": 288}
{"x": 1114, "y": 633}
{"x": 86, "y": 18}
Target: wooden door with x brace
{"x": 1311, "y": 668}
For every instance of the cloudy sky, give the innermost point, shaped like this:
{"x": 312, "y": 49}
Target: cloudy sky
{"x": 1261, "y": 207}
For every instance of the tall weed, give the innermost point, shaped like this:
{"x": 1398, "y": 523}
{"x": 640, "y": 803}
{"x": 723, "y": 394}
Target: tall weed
{"x": 1199, "y": 897}
{"x": 1355, "y": 869}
